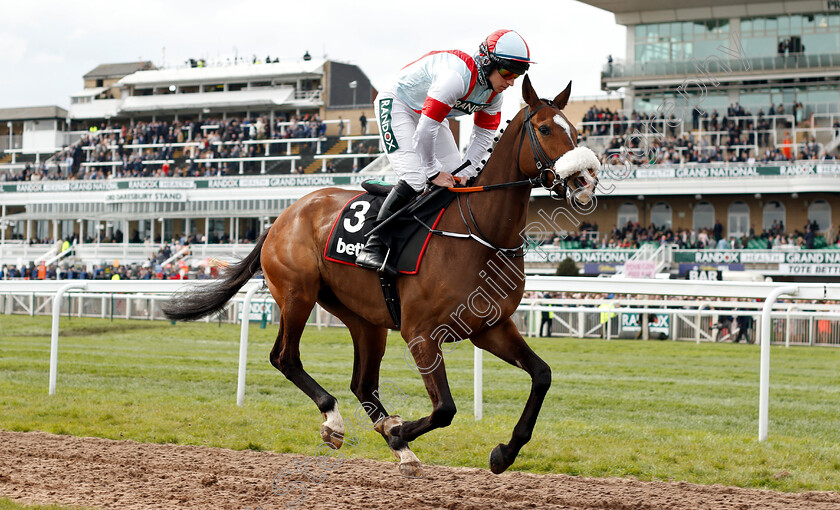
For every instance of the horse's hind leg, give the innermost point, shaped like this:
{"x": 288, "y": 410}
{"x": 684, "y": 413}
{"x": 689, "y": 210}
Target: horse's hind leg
{"x": 369, "y": 343}
{"x": 429, "y": 360}
{"x": 295, "y": 305}
{"x": 504, "y": 341}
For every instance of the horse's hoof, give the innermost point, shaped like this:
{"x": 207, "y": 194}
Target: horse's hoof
{"x": 332, "y": 437}
{"x": 498, "y": 460}
{"x": 411, "y": 469}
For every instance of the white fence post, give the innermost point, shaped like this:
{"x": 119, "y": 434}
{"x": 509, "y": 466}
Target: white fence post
{"x": 764, "y": 378}
{"x": 243, "y": 345}
{"x": 478, "y": 400}
{"x": 56, "y": 315}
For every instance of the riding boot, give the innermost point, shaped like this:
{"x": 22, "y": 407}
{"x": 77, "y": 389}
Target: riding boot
{"x": 374, "y": 254}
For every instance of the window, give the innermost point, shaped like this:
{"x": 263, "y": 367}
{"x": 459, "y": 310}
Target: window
{"x": 704, "y": 216}
{"x": 66, "y": 228}
{"x": 820, "y": 211}
{"x": 627, "y": 212}
{"x": 660, "y": 215}
{"x": 216, "y": 229}
{"x": 678, "y": 41}
{"x": 739, "y": 219}
{"x": 774, "y": 214}
{"x": 42, "y": 229}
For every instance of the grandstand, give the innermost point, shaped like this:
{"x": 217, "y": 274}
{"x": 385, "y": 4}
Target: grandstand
{"x": 145, "y": 155}
{"x": 719, "y": 141}
{"x": 721, "y": 122}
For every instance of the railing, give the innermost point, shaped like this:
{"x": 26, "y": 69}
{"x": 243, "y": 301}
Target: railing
{"x": 621, "y": 69}
{"x": 183, "y": 252}
{"x": 659, "y": 129}
{"x": 59, "y": 255}
{"x": 21, "y": 252}
{"x": 689, "y": 321}
{"x": 242, "y": 161}
{"x": 355, "y": 157}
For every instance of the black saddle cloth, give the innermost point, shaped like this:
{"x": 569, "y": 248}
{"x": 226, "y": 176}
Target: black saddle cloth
{"x": 407, "y": 236}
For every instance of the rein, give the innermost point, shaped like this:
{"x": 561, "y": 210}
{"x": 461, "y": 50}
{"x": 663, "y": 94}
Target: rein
{"x": 544, "y": 165}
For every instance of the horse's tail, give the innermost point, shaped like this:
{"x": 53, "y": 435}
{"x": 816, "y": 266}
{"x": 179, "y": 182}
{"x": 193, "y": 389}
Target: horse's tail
{"x": 202, "y": 300}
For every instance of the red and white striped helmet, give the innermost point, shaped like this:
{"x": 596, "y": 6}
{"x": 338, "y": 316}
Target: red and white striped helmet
{"x": 507, "y": 49}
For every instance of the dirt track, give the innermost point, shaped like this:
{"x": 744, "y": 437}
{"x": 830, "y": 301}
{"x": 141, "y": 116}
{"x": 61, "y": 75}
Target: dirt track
{"x": 44, "y": 468}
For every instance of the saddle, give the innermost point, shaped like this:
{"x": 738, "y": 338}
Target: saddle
{"x": 407, "y": 236}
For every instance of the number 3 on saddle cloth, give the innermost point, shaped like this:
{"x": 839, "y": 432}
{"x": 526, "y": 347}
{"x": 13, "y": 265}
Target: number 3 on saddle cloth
{"x": 407, "y": 236}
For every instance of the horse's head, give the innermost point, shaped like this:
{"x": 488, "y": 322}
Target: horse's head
{"x": 566, "y": 170}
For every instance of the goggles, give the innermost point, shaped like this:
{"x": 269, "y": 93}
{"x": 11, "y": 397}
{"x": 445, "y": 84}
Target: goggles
{"x": 508, "y": 75}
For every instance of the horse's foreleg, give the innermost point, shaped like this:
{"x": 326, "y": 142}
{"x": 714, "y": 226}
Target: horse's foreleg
{"x": 369, "y": 347}
{"x": 504, "y": 341}
{"x": 369, "y": 343}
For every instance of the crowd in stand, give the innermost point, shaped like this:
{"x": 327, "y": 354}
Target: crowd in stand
{"x": 157, "y": 267}
{"x": 727, "y": 138}
{"x": 633, "y": 235}
{"x": 216, "y": 139}
{"x": 738, "y": 133}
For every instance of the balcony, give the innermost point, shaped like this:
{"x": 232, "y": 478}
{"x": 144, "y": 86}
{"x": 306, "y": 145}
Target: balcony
{"x": 620, "y": 71}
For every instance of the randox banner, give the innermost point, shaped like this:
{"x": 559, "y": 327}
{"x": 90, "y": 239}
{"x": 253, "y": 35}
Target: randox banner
{"x": 757, "y": 257}
{"x": 274, "y": 181}
{"x": 657, "y": 322}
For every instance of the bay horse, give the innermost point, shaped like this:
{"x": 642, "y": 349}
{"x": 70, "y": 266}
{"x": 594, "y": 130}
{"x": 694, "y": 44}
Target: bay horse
{"x": 467, "y": 289}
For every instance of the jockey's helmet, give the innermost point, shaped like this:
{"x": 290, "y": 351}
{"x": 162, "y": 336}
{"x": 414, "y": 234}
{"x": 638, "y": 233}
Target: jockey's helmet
{"x": 505, "y": 50}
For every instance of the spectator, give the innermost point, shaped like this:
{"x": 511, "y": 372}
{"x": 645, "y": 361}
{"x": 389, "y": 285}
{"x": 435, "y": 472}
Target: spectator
{"x": 363, "y": 123}
{"x": 724, "y": 324}
{"x": 744, "y": 325}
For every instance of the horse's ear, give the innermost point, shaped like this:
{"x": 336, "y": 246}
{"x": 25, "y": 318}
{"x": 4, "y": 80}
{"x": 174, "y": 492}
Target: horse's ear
{"x": 562, "y": 98}
{"x": 528, "y": 95}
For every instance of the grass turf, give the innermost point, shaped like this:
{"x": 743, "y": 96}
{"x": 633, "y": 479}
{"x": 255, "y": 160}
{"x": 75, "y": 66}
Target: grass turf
{"x": 647, "y": 410}
{"x": 8, "y": 504}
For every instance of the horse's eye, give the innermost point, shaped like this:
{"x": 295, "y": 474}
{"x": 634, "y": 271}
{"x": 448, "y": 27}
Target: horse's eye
{"x": 545, "y": 131}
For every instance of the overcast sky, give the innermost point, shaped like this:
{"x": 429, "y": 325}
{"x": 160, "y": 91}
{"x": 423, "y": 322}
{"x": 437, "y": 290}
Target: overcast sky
{"x": 47, "y": 45}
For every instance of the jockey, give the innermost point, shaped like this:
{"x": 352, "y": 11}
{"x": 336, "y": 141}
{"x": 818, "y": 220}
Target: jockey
{"x": 414, "y": 127}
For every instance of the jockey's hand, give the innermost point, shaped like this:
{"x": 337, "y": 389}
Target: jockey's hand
{"x": 444, "y": 180}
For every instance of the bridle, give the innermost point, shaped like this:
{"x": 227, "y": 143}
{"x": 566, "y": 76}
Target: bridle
{"x": 558, "y": 188}
{"x": 544, "y": 164}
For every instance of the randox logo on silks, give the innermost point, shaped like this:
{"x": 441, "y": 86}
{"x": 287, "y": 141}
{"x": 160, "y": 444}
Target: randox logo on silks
{"x": 469, "y": 106}
{"x": 388, "y": 138}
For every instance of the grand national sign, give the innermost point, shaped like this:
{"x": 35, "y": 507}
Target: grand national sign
{"x": 264, "y": 181}
{"x": 550, "y": 254}
{"x": 731, "y": 171}
{"x": 321, "y": 180}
